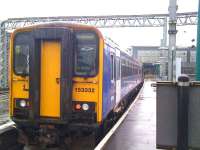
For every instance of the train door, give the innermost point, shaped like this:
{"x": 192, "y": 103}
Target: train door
{"x": 118, "y": 76}
{"x": 50, "y": 74}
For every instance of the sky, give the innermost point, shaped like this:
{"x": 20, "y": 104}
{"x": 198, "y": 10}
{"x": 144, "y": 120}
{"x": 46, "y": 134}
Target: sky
{"x": 123, "y": 36}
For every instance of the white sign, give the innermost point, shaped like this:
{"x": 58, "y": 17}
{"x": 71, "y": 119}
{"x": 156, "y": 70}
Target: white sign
{"x": 178, "y": 68}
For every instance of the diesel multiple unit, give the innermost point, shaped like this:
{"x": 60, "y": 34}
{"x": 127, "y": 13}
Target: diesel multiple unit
{"x": 66, "y": 77}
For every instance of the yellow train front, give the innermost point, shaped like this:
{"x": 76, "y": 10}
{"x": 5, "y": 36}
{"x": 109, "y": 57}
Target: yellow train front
{"x": 56, "y": 81}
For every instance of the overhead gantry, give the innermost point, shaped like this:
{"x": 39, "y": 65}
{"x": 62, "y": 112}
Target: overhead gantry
{"x": 113, "y": 21}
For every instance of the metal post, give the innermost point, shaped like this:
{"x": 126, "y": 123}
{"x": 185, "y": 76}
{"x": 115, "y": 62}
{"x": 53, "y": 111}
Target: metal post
{"x": 188, "y": 55}
{"x": 162, "y": 50}
{"x": 164, "y": 43}
{"x": 198, "y": 48}
{"x": 172, "y": 40}
{"x": 182, "y": 123}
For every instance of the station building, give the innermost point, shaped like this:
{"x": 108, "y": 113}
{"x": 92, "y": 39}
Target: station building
{"x": 155, "y": 60}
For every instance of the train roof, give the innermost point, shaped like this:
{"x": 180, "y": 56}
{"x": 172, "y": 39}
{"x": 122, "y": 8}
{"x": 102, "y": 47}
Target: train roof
{"x": 124, "y": 53}
{"x": 60, "y": 25}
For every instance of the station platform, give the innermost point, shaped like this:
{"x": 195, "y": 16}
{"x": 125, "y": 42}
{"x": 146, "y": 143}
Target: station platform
{"x": 138, "y": 130}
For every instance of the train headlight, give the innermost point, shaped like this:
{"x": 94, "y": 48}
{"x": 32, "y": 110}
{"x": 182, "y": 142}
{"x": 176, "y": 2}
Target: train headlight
{"x": 22, "y": 103}
{"x": 85, "y": 107}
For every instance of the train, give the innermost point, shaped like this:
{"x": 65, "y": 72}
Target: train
{"x": 65, "y": 78}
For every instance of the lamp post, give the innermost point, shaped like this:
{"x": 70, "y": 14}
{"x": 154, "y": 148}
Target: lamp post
{"x": 172, "y": 40}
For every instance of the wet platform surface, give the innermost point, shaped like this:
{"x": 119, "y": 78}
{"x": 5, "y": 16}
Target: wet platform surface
{"x": 138, "y": 130}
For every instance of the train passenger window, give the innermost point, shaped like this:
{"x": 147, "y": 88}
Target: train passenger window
{"x": 123, "y": 68}
{"x": 86, "y": 54}
{"x": 112, "y": 67}
{"x": 115, "y": 72}
{"x": 21, "y": 54}
{"x": 118, "y": 68}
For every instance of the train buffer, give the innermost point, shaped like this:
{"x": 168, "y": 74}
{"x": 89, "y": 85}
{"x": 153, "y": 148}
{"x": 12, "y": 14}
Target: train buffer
{"x": 138, "y": 130}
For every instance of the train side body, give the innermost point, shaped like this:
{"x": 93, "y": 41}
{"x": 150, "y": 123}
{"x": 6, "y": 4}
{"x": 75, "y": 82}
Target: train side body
{"x": 115, "y": 73}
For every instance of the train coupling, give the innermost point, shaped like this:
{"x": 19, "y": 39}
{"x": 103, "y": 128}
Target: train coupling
{"x": 48, "y": 135}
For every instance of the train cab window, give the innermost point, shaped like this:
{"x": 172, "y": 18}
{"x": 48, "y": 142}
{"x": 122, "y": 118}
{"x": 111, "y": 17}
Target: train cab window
{"x": 86, "y": 54}
{"x": 21, "y": 54}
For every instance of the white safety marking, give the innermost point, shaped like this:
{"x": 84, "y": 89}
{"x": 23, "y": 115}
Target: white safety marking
{"x": 114, "y": 128}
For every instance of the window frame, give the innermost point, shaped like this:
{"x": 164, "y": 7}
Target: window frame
{"x": 112, "y": 67}
{"x": 97, "y": 52}
{"x": 25, "y": 41}
{"x": 118, "y": 70}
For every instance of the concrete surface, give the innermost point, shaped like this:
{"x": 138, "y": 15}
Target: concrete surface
{"x": 138, "y": 131}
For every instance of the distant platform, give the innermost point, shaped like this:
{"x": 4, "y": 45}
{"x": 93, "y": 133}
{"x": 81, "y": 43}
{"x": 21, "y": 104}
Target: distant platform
{"x": 138, "y": 131}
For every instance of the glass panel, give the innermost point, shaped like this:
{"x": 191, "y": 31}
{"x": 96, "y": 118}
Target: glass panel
{"x": 112, "y": 67}
{"x": 86, "y": 54}
{"x": 21, "y": 59}
{"x": 118, "y": 68}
